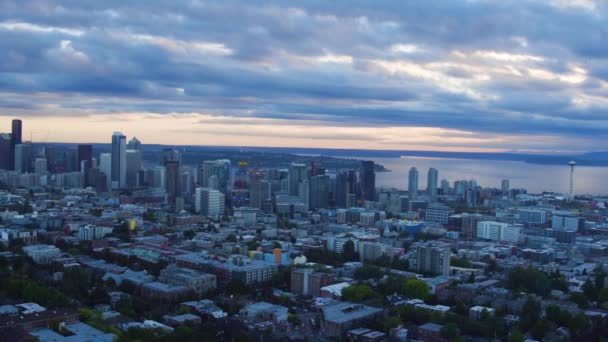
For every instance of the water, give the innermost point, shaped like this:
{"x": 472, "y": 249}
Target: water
{"x": 489, "y": 173}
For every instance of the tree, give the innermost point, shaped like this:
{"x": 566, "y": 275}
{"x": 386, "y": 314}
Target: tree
{"x": 349, "y": 252}
{"x": 189, "y": 234}
{"x": 390, "y": 323}
{"x": 415, "y": 288}
{"x": 450, "y": 331}
{"x": 357, "y": 293}
{"x": 231, "y": 238}
{"x": 540, "y": 329}
{"x": 515, "y": 336}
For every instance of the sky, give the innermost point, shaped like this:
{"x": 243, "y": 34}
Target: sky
{"x": 476, "y": 75}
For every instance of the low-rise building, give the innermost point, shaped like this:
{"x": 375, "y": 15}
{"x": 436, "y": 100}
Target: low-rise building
{"x": 340, "y": 317}
{"x": 42, "y": 254}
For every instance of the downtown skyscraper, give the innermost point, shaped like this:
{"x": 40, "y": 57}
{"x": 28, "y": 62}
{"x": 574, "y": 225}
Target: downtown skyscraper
{"x": 412, "y": 185}
{"x": 431, "y": 183}
{"x": 119, "y": 160}
{"x": 368, "y": 180}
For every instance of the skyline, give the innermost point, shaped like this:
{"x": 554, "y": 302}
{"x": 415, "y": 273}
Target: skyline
{"x": 455, "y": 76}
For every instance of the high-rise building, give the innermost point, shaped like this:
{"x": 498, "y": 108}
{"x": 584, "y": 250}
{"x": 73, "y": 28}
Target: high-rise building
{"x": 304, "y": 192}
{"x": 341, "y": 189}
{"x": 85, "y": 161}
{"x": 119, "y": 160}
{"x": 431, "y": 257}
{"x": 209, "y": 202}
{"x": 256, "y": 189}
{"x": 133, "y": 167}
{"x": 85, "y": 154}
{"x": 134, "y": 144}
{"x": 368, "y": 180}
{"x": 170, "y": 155}
{"x": 505, "y": 187}
{"x": 431, "y": 183}
{"x": 105, "y": 166}
{"x": 16, "y": 139}
{"x": 6, "y": 152}
{"x": 219, "y": 170}
{"x": 412, "y": 187}
{"x": 160, "y": 176}
{"x": 172, "y": 183}
{"x": 319, "y": 192}
{"x": 445, "y": 186}
{"x": 23, "y": 157}
{"x": 297, "y": 173}
{"x": 50, "y": 153}
{"x": 40, "y": 166}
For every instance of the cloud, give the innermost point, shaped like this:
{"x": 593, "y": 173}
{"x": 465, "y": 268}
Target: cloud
{"x": 535, "y": 70}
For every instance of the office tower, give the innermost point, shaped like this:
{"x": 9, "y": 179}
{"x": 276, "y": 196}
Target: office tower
{"x": 256, "y": 189}
{"x": 6, "y": 152}
{"x": 209, "y": 202}
{"x": 304, "y": 193}
{"x": 187, "y": 181}
{"x": 50, "y": 153}
{"x": 471, "y": 193}
{"x": 341, "y": 189}
{"x": 316, "y": 169}
{"x": 160, "y": 174}
{"x": 133, "y": 158}
{"x": 23, "y": 158}
{"x": 319, "y": 192}
{"x": 431, "y": 183}
{"x": 134, "y": 144}
{"x": 412, "y": 187}
{"x": 70, "y": 160}
{"x": 16, "y": 139}
{"x": 85, "y": 154}
{"x": 445, "y": 186}
{"x": 85, "y": 161}
{"x": 40, "y": 166}
{"x": 433, "y": 257}
{"x": 172, "y": 182}
{"x": 105, "y": 166}
{"x": 119, "y": 160}
{"x": 297, "y": 174}
{"x": 505, "y": 187}
{"x": 170, "y": 155}
{"x": 220, "y": 169}
{"x": 368, "y": 180}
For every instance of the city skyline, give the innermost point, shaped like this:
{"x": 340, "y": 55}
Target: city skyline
{"x": 458, "y": 75}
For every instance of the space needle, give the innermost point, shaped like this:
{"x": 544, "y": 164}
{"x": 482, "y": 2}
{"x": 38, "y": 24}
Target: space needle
{"x": 572, "y": 164}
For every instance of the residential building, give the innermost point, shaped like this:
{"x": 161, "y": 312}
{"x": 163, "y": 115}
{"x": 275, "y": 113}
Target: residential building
{"x": 432, "y": 256}
{"x": 42, "y": 254}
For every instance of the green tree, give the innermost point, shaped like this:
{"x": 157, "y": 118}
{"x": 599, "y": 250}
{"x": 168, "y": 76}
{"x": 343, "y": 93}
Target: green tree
{"x": 349, "y": 252}
{"x": 415, "y": 288}
{"x": 515, "y": 336}
{"x": 450, "y": 331}
{"x": 390, "y": 323}
{"x": 357, "y": 293}
{"x": 231, "y": 238}
{"x": 540, "y": 329}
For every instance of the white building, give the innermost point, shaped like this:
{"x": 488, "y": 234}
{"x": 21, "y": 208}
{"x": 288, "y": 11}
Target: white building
{"x": 209, "y": 202}
{"x": 498, "y": 231}
{"x": 90, "y": 232}
{"x": 42, "y": 254}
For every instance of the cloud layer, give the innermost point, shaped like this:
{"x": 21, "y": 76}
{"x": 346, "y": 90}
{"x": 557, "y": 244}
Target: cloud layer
{"x": 468, "y": 75}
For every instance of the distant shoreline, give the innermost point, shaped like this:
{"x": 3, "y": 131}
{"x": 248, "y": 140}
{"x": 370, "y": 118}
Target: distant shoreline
{"x": 599, "y": 159}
